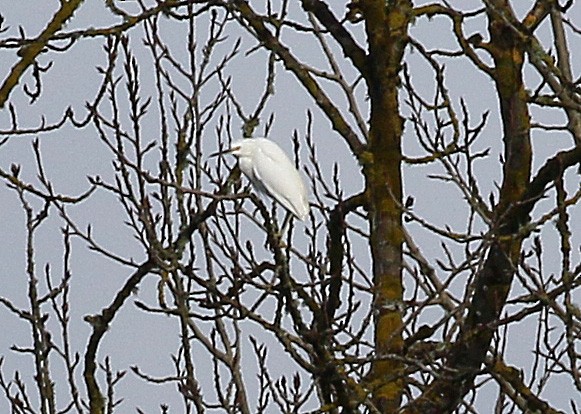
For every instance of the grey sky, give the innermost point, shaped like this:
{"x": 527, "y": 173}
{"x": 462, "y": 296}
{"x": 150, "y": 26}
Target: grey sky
{"x": 70, "y": 155}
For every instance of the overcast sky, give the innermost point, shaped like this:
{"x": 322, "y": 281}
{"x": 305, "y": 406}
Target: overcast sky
{"x": 70, "y": 155}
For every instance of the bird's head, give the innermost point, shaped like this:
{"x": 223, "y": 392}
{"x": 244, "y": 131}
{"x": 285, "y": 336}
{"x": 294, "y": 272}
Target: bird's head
{"x": 239, "y": 148}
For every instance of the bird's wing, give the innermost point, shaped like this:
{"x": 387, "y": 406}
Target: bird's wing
{"x": 280, "y": 178}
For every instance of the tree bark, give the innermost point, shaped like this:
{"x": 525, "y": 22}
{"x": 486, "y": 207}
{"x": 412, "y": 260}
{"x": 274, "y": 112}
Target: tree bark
{"x": 387, "y": 30}
{"x": 495, "y": 278}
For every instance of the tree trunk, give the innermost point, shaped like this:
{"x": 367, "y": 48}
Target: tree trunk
{"x": 386, "y": 28}
{"x": 495, "y": 278}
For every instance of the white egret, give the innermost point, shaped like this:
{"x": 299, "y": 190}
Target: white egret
{"x": 271, "y": 172}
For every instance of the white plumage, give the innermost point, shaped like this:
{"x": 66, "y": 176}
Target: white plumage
{"x": 270, "y": 171}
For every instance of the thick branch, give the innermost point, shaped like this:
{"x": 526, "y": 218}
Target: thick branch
{"x": 336, "y": 227}
{"x": 350, "y": 48}
{"x": 30, "y": 52}
{"x": 493, "y": 281}
{"x": 564, "y": 64}
{"x": 537, "y": 14}
{"x": 549, "y": 172}
{"x": 511, "y": 382}
{"x": 100, "y": 324}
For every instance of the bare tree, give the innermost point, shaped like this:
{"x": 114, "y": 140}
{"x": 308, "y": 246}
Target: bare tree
{"x": 372, "y": 305}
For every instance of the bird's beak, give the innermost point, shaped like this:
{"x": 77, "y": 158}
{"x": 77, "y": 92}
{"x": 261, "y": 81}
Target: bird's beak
{"x": 226, "y": 151}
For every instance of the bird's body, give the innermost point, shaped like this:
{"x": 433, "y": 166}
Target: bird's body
{"x": 271, "y": 172}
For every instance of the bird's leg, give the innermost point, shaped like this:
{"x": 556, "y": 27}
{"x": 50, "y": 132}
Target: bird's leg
{"x": 280, "y": 231}
{"x": 285, "y": 223}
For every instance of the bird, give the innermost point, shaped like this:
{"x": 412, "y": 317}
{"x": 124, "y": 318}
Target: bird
{"x": 272, "y": 173}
